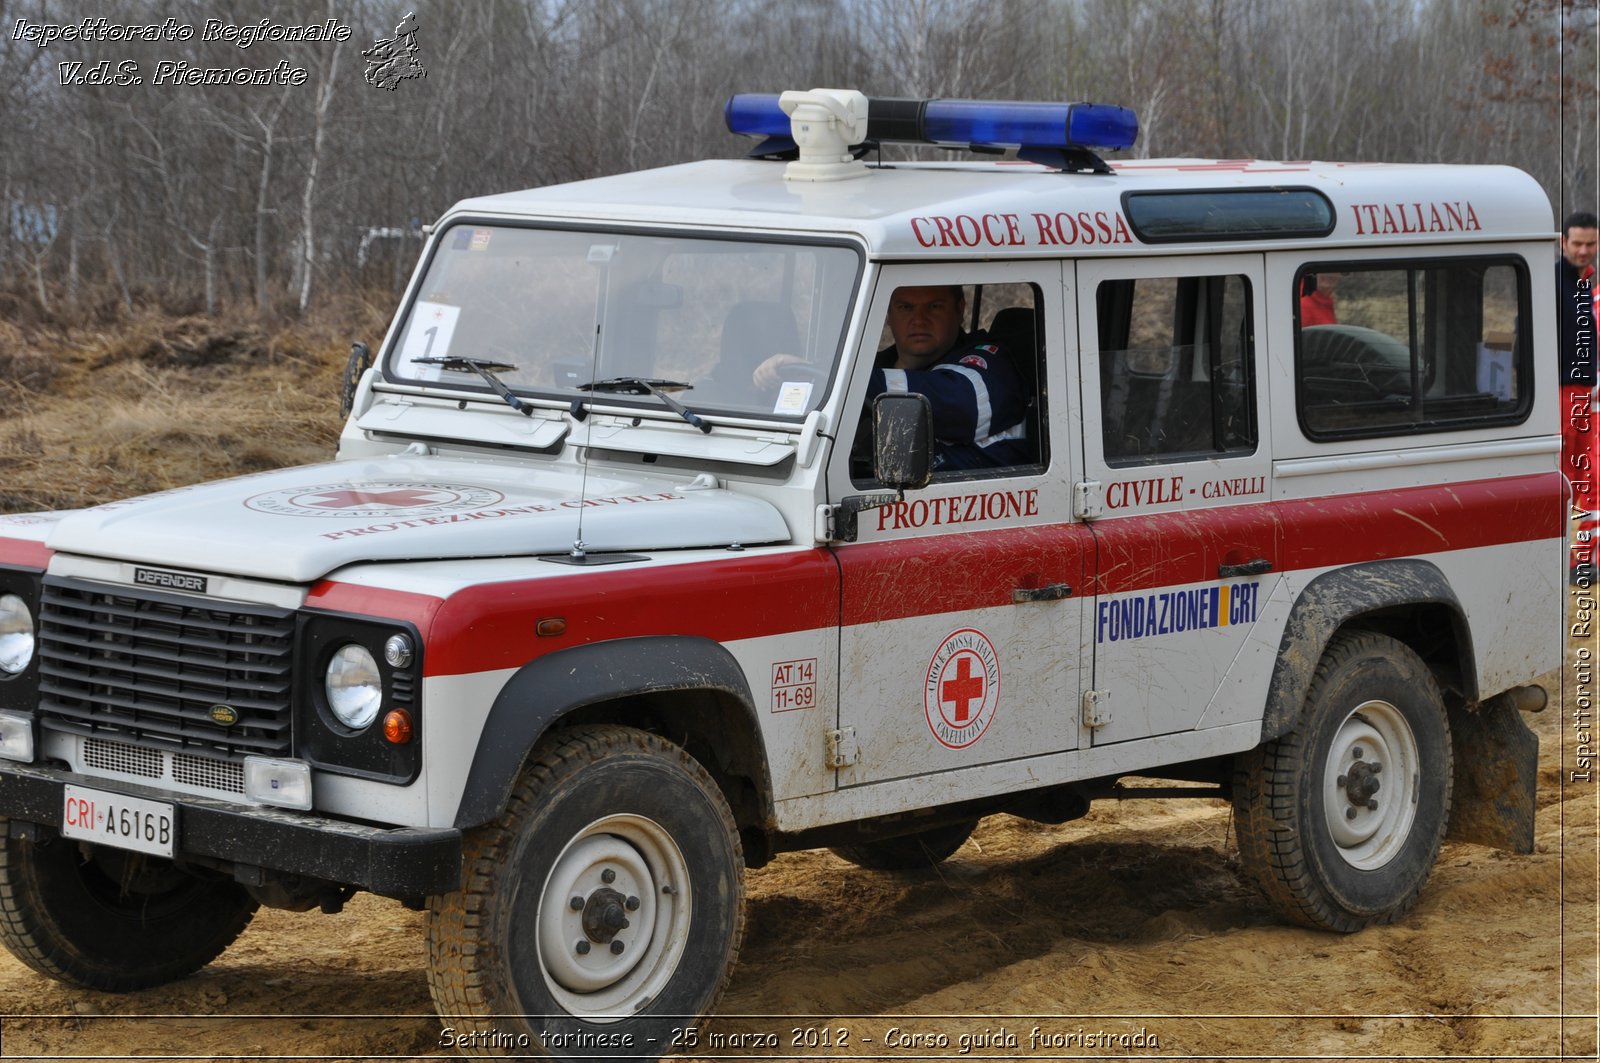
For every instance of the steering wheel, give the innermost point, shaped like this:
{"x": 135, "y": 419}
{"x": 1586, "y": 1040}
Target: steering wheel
{"x": 806, "y": 372}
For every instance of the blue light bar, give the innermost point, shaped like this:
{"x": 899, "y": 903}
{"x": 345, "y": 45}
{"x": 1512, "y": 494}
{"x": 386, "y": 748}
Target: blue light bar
{"x": 755, "y": 114}
{"x": 1021, "y": 124}
{"x": 994, "y": 123}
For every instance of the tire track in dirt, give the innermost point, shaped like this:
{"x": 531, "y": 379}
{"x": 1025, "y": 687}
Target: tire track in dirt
{"x": 1138, "y": 910}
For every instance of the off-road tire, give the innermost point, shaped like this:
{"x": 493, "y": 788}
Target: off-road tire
{"x": 590, "y": 801}
{"x": 112, "y": 920}
{"x": 909, "y": 852}
{"x": 1322, "y": 858}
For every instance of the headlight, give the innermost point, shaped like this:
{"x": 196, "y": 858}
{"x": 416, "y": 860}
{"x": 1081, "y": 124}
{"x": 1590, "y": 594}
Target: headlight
{"x": 16, "y": 634}
{"x": 355, "y": 689}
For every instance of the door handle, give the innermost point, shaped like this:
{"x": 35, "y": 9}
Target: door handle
{"x": 1249, "y": 568}
{"x": 1050, "y": 592}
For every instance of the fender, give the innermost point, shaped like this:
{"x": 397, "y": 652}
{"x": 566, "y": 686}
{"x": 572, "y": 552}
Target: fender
{"x": 545, "y": 690}
{"x": 1332, "y": 599}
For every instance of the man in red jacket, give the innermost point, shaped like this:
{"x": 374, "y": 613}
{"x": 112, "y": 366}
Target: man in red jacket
{"x": 1316, "y": 305}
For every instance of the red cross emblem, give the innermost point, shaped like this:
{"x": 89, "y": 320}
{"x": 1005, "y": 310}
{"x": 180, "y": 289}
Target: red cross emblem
{"x": 352, "y": 499}
{"x": 964, "y": 689}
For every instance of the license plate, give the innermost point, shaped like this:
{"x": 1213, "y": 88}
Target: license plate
{"x": 119, "y": 821}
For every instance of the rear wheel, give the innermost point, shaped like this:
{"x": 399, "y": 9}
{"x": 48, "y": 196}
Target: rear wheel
{"x": 909, "y": 852}
{"x": 602, "y": 911}
{"x": 1340, "y": 821}
{"x": 109, "y": 919}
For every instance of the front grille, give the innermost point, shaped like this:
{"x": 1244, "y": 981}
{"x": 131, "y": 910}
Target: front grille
{"x": 146, "y": 669}
{"x": 124, "y": 760}
{"x": 100, "y": 757}
{"x": 207, "y": 773}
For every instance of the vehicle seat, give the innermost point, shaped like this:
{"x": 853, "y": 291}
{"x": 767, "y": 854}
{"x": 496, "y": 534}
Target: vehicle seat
{"x": 751, "y": 333}
{"x": 1016, "y": 329}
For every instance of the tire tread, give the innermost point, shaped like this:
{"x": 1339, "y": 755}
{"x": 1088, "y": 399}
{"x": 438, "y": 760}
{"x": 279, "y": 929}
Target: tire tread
{"x": 27, "y": 933}
{"x": 1267, "y": 785}
{"x": 460, "y": 958}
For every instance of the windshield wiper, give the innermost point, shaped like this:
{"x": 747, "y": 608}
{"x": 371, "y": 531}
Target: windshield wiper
{"x": 486, "y": 369}
{"x": 638, "y": 385}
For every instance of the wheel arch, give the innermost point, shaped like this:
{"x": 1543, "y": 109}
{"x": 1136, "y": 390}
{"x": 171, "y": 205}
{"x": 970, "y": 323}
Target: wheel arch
{"x": 1406, "y": 599}
{"x": 685, "y": 688}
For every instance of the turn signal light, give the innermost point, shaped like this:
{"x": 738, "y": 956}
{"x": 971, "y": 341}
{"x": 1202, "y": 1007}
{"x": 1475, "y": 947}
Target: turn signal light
{"x": 397, "y": 726}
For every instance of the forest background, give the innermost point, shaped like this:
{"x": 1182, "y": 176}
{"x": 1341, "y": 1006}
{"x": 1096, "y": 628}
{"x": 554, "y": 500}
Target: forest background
{"x": 273, "y": 198}
{"x": 184, "y": 266}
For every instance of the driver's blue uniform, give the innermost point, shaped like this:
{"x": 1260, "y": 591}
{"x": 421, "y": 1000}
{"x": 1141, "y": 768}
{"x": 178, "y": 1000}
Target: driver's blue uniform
{"x": 979, "y": 409}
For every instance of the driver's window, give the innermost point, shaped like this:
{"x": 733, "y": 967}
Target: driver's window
{"x": 975, "y": 352}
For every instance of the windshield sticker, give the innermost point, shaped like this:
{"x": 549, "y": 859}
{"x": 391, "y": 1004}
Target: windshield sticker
{"x": 480, "y": 240}
{"x": 432, "y": 326}
{"x": 793, "y": 397}
{"x": 963, "y": 688}
{"x": 373, "y": 499}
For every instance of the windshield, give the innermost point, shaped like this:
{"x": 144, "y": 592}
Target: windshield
{"x": 567, "y": 309}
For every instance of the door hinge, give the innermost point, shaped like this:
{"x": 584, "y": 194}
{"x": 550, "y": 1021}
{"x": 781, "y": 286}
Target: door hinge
{"x": 1086, "y": 499}
{"x": 840, "y": 523}
{"x": 843, "y": 750}
{"x": 822, "y": 526}
{"x": 1096, "y": 709}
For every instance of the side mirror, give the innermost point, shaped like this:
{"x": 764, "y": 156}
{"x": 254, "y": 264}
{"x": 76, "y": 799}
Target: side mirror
{"x": 902, "y": 440}
{"x": 902, "y": 457}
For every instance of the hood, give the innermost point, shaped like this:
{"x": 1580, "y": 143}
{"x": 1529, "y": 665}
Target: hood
{"x": 300, "y": 524}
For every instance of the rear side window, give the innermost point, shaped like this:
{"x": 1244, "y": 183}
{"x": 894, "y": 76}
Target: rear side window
{"x": 1400, "y": 348}
{"x": 1177, "y": 376}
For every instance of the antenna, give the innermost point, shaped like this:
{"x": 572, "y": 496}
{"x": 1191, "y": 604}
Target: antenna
{"x": 600, "y": 255}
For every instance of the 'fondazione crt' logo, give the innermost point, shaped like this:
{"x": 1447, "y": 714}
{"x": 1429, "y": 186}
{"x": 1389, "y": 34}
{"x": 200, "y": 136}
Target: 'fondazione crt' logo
{"x": 963, "y": 688}
{"x": 373, "y": 499}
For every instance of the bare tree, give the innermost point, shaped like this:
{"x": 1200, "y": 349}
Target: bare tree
{"x": 196, "y": 195}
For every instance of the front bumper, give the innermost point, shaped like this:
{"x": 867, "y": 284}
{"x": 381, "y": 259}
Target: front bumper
{"x": 404, "y": 862}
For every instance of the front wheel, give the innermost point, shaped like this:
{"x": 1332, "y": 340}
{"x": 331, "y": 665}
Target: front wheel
{"x": 109, "y": 919}
{"x": 601, "y": 912}
{"x": 1339, "y": 822}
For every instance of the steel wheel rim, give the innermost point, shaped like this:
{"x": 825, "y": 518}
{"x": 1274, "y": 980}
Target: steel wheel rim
{"x": 622, "y": 856}
{"x": 1374, "y": 733}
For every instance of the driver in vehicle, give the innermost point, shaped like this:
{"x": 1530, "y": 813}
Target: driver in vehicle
{"x": 979, "y": 409}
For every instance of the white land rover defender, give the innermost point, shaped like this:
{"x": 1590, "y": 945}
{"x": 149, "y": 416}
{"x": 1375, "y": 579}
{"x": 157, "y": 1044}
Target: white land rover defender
{"x": 586, "y": 618}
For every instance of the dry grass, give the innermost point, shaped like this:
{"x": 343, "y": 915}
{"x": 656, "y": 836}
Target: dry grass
{"x": 93, "y": 414}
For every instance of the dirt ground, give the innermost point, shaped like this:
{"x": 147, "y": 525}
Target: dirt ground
{"x": 1127, "y": 933}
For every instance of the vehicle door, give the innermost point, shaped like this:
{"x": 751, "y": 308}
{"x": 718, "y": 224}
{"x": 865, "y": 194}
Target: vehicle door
{"x": 1178, "y": 485}
{"x": 962, "y": 615}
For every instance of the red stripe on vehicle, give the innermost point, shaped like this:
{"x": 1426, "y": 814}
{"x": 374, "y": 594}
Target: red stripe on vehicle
{"x": 375, "y": 601}
{"x": 960, "y": 572}
{"x": 25, "y": 553}
{"x": 492, "y": 626}
{"x": 1346, "y": 529}
{"x": 1165, "y": 549}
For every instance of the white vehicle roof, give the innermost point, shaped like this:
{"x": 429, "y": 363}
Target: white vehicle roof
{"x": 960, "y": 210}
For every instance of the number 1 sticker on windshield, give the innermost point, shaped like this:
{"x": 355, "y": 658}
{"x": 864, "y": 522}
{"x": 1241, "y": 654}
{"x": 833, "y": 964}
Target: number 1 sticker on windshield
{"x": 432, "y": 325}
